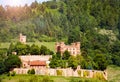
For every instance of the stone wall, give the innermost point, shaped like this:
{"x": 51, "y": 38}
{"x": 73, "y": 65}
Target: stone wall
{"x": 35, "y": 57}
{"x": 66, "y": 72}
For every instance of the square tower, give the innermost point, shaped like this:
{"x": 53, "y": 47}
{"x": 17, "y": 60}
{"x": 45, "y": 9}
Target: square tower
{"x": 22, "y": 38}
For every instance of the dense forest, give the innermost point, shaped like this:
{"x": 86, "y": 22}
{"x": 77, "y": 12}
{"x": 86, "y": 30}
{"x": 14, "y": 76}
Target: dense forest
{"x": 95, "y": 23}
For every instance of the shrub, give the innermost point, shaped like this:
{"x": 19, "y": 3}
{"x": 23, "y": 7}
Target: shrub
{"x": 13, "y": 73}
{"x": 8, "y": 74}
{"x": 59, "y": 72}
{"x": 86, "y": 73}
{"x": 32, "y": 71}
{"x": 99, "y": 76}
{"x": 29, "y": 71}
{"x": 79, "y": 72}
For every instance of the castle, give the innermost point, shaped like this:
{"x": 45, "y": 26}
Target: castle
{"x": 74, "y": 48}
{"x": 35, "y": 61}
{"x": 40, "y": 63}
{"x": 22, "y": 38}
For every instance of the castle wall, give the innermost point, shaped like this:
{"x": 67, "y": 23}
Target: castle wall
{"x": 66, "y": 72}
{"x": 29, "y": 58}
{"x": 74, "y": 48}
{"x": 35, "y": 57}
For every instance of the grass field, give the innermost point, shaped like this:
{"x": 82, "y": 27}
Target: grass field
{"x": 37, "y": 78}
{"x": 113, "y": 73}
{"x": 49, "y": 45}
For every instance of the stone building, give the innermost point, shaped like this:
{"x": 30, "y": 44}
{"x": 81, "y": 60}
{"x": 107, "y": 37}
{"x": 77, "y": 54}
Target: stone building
{"x": 22, "y": 38}
{"x": 35, "y": 61}
{"x": 74, "y": 48}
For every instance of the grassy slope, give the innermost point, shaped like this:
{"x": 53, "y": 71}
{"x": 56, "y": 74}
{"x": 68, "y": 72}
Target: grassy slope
{"x": 34, "y": 78}
{"x": 49, "y": 45}
{"x": 113, "y": 73}
{"x": 4, "y": 45}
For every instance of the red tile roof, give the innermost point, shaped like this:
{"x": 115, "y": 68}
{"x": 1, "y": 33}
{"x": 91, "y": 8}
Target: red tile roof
{"x": 37, "y": 63}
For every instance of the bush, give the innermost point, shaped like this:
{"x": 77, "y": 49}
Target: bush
{"x": 8, "y": 74}
{"x": 32, "y": 71}
{"x": 13, "y": 73}
{"x": 86, "y": 73}
{"x": 29, "y": 71}
{"x": 59, "y": 72}
{"x": 79, "y": 72}
{"x": 99, "y": 76}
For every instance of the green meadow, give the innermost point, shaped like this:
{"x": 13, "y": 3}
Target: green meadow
{"x": 113, "y": 73}
{"x": 38, "y": 78}
{"x": 49, "y": 45}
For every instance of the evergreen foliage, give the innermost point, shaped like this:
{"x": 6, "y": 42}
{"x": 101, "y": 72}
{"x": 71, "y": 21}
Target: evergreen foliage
{"x": 95, "y": 23}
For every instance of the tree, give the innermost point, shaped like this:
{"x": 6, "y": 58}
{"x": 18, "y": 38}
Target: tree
{"x": 45, "y": 51}
{"x": 32, "y": 71}
{"x": 54, "y": 63}
{"x": 20, "y": 48}
{"x": 34, "y": 50}
{"x": 116, "y": 60}
{"x": 2, "y": 67}
{"x": 74, "y": 35}
{"x": 11, "y": 62}
{"x": 100, "y": 61}
{"x": 11, "y": 48}
{"x": 72, "y": 62}
{"x": 58, "y": 55}
{"x": 66, "y": 55}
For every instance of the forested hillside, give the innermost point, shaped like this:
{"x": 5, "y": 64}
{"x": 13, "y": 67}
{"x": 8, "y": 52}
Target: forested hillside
{"x": 95, "y": 23}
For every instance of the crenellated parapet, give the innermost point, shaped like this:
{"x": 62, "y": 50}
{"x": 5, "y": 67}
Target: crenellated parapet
{"x": 74, "y": 48}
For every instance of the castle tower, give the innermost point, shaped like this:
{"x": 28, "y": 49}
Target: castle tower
{"x": 74, "y": 48}
{"x": 59, "y": 47}
{"x": 78, "y": 47}
{"x": 22, "y": 38}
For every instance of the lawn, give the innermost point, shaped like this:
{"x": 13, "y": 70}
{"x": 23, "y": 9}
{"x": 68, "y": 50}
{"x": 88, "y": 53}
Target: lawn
{"x": 4, "y": 45}
{"x": 49, "y": 45}
{"x": 113, "y": 73}
{"x": 38, "y": 78}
